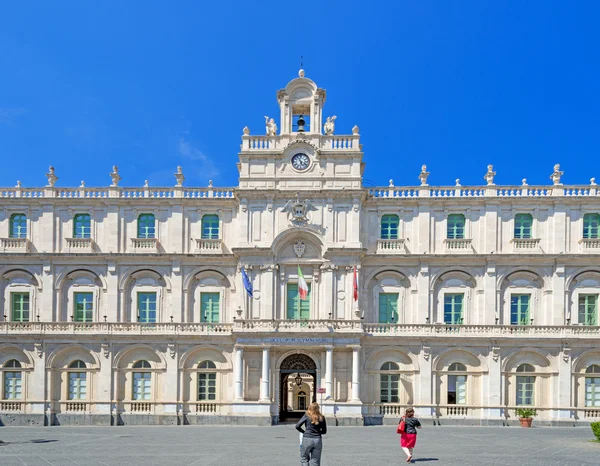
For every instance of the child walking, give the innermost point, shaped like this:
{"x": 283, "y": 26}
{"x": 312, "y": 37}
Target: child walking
{"x": 408, "y": 438}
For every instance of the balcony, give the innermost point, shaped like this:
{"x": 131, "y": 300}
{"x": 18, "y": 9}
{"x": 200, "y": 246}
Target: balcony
{"x": 208, "y": 246}
{"x": 145, "y": 245}
{"x": 590, "y": 244}
{"x": 308, "y": 326}
{"x": 458, "y": 245}
{"x": 526, "y": 244}
{"x": 14, "y": 244}
{"x": 390, "y": 246}
{"x": 80, "y": 245}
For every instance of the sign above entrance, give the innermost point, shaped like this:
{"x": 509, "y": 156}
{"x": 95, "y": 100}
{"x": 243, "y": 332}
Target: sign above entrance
{"x": 297, "y": 341}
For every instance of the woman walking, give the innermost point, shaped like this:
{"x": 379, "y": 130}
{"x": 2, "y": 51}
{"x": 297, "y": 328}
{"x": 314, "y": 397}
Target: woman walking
{"x": 312, "y": 443}
{"x": 408, "y": 438}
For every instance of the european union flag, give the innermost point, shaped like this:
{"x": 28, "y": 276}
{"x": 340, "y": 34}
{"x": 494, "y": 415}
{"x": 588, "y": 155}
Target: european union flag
{"x": 246, "y": 281}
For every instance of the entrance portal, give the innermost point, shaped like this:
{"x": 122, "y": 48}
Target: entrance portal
{"x": 297, "y": 386}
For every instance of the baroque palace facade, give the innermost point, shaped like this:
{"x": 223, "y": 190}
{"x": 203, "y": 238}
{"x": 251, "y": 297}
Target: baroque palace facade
{"x": 128, "y": 305}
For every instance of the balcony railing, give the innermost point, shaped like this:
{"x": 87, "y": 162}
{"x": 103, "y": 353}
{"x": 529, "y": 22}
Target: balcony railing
{"x": 80, "y": 244}
{"x": 114, "y": 328}
{"x": 390, "y": 246}
{"x": 144, "y": 244}
{"x": 591, "y": 244}
{"x": 11, "y": 406}
{"x": 209, "y": 246}
{"x": 308, "y": 326}
{"x": 14, "y": 244}
{"x": 526, "y": 244}
{"x": 458, "y": 245}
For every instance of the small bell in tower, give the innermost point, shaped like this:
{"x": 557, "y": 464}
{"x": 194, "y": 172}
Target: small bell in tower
{"x": 301, "y": 124}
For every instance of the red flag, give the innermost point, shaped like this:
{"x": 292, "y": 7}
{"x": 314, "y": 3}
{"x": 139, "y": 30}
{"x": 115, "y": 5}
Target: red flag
{"x": 355, "y": 285}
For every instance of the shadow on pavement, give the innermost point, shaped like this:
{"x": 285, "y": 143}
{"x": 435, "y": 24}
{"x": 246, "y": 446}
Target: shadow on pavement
{"x": 420, "y": 460}
{"x": 28, "y": 441}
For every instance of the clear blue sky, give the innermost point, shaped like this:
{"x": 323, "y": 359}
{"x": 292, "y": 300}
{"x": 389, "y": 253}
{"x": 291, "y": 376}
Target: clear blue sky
{"x": 149, "y": 85}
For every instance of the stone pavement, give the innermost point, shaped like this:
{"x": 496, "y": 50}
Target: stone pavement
{"x": 274, "y": 446}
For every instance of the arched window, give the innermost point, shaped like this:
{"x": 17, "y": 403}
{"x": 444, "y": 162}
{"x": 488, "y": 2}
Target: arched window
{"x": 592, "y": 386}
{"x": 146, "y": 306}
{"x": 77, "y": 381}
{"x": 18, "y": 226}
{"x": 520, "y": 309}
{"x": 523, "y": 226}
{"x": 388, "y": 308}
{"x": 457, "y": 385}
{"x": 142, "y": 382}
{"x": 13, "y": 380}
{"x": 525, "y": 390}
{"x": 146, "y": 226}
{"x": 210, "y": 227}
{"x": 207, "y": 381}
{"x": 210, "y": 305}
{"x": 588, "y": 309}
{"x": 453, "y": 308}
{"x": 591, "y": 222}
{"x": 19, "y": 303}
{"x": 389, "y": 383}
{"x": 82, "y": 226}
{"x": 389, "y": 226}
{"x": 456, "y": 226}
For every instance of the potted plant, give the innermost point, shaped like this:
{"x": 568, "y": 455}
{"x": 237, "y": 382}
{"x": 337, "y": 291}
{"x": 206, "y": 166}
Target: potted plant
{"x": 526, "y": 416}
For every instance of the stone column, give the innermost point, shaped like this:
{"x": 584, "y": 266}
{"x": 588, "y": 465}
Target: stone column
{"x": 329, "y": 373}
{"x": 265, "y": 388}
{"x": 356, "y": 373}
{"x": 239, "y": 374}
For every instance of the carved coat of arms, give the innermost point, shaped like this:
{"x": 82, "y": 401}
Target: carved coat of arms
{"x": 298, "y": 210}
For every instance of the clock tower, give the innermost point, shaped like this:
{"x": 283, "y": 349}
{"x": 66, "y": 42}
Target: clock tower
{"x": 305, "y": 154}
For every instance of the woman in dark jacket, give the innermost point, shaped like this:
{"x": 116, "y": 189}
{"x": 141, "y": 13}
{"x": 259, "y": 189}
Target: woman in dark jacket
{"x": 408, "y": 439}
{"x": 312, "y": 443}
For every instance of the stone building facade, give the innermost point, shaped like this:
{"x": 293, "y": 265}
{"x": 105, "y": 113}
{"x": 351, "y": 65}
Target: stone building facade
{"x": 128, "y": 305}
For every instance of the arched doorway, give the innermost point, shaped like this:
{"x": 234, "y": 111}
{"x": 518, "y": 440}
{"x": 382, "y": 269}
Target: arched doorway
{"x": 297, "y": 381}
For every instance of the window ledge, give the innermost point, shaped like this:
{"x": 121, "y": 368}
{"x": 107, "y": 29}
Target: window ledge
{"x": 14, "y": 244}
{"x": 391, "y": 246}
{"x": 209, "y": 246}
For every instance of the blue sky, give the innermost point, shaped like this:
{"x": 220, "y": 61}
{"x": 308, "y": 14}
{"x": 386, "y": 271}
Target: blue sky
{"x": 149, "y": 85}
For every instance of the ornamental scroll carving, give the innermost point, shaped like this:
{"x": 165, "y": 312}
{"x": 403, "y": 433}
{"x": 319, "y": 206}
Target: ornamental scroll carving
{"x": 298, "y": 362}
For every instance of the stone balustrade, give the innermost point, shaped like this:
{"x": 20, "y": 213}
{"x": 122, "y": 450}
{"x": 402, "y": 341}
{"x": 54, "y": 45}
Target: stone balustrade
{"x": 390, "y": 246}
{"x": 79, "y": 244}
{"x": 525, "y": 244}
{"x": 113, "y": 328}
{"x": 14, "y": 245}
{"x": 460, "y": 245}
{"x": 209, "y": 246}
{"x": 483, "y": 191}
{"x": 590, "y": 244}
{"x": 144, "y": 244}
{"x": 117, "y": 192}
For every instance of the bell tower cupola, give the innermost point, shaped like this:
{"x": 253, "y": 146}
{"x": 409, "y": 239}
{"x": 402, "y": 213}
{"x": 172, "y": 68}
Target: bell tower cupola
{"x": 301, "y": 106}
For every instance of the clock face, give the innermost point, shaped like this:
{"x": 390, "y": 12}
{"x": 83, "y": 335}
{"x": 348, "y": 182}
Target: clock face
{"x": 300, "y": 161}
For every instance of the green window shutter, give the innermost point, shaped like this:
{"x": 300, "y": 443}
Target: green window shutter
{"x": 210, "y": 227}
{"x": 146, "y": 226}
{"x": 142, "y": 389}
{"x": 210, "y": 306}
{"x": 461, "y": 389}
{"x": 520, "y": 309}
{"x": 77, "y": 385}
{"x": 82, "y": 226}
{"x": 84, "y": 307}
{"x": 588, "y": 309}
{"x": 13, "y": 387}
{"x": 523, "y": 226}
{"x": 456, "y": 226}
{"x": 207, "y": 386}
{"x": 297, "y": 308}
{"x": 591, "y": 223}
{"x": 20, "y": 307}
{"x": 525, "y": 390}
{"x": 389, "y": 227}
{"x": 592, "y": 392}
{"x": 453, "y": 308}
{"x": 388, "y": 308}
{"x": 146, "y": 307}
{"x": 389, "y": 388}
{"x": 18, "y": 226}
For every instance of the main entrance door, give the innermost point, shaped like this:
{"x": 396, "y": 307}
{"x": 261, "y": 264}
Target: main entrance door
{"x": 297, "y": 386}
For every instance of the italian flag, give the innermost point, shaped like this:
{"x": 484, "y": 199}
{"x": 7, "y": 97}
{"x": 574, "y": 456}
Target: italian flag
{"x": 302, "y": 286}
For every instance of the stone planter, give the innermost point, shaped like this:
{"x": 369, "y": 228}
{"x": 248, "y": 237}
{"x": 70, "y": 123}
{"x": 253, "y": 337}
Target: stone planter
{"x": 526, "y": 421}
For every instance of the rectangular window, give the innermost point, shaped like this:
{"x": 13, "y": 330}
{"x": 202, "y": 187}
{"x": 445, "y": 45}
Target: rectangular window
{"x": 146, "y": 226}
{"x": 77, "y": 385}
{"x": 456, "y": 226}
{"x": 20, "y": 307}
{"x": 591, "y": 226}
{"x": 588, "y": 309}
{"x": 389, "y": 390}
{"x": 146, "y": 303}
{"x": 18, "y": 226}
{"x": 142, "y": 386}
{"x": 453, "y": 308}
{"x": 82, "y": 226}
{"x": 592, "y": 392}
{"x": 457, "y": 389}
{"x": 519, "y": 309}
{"x": 209, "y": 307}
{"x": 12, "y": 385}
{"x": 84, "y": 307}
{"x": 207, "y": 386}
{"x": 297, "y": 309}
{"x": 210, "y": 227}
{"x": 523, "y": 225}
{"x": 388, "y": 308}
{"x": 389, "y": 227}
{"x": 525, "y": 389}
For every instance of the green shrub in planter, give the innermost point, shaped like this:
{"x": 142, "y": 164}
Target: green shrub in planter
{"x": 526, "y": 412}
{"x": 596, "y": 429}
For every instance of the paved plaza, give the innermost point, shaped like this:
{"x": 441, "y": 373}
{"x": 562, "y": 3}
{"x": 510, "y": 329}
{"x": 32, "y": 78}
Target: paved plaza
{"x": 249, "y": 446}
